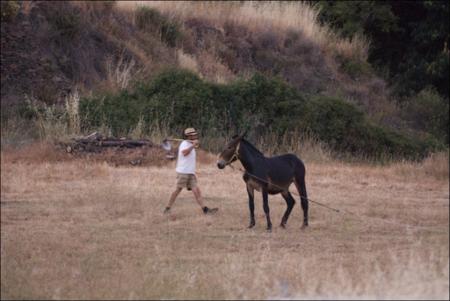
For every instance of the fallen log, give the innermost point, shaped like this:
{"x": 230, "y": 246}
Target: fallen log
{"x": 123, "y": 149}
{"x": 125, "y": 143}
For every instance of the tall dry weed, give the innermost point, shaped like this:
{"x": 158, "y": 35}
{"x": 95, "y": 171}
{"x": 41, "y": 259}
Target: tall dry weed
{"x": 435, "y": 166}
{"x": 120, "y": 73}
{"x": 256, "y": 15}
{"x": 72, "y": 104}
{"x": 138, "y": 131}
{"x": 158, "y": 131}
{"x": 304, "y": 144}
{"x": 50, "y": 120}
{"x": 187, "y": 62}
{"x": 36, "y": 152}
{"x": 213, "y": 69}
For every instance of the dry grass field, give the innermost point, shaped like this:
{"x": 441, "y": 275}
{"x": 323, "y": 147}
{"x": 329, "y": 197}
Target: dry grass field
{"x": 77, "y": 229}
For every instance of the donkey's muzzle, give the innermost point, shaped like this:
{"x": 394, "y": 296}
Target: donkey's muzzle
{"x": 221, "y": 164}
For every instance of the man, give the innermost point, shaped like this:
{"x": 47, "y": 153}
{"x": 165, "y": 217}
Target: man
{"x": 186, "y": 171}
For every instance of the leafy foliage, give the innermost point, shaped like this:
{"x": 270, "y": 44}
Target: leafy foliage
{"x": 409, "y": 44}
{"x": 65, "y": 22}
{"x": 178, "y": 98}
{"x": 409, "y": 39}
{"x": 429, "y": 112}
{"x": 345, "y": 128}
{"x": 150, "y": 19}
{"x": 9, "y": 10}
{"x": 355, "y": 68}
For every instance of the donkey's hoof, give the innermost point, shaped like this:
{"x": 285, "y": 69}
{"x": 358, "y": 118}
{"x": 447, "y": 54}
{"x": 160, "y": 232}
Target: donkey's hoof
{"x": 304, "y": 226}
{"x": 283, "y": 226}
{"x": 251, "y": 226}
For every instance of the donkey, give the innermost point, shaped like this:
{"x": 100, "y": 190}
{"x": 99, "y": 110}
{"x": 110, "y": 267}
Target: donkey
{"x": 269, "y": 175}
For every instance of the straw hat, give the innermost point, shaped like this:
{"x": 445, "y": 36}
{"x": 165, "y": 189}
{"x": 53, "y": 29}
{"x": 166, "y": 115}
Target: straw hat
{"x": 190, "y": 132}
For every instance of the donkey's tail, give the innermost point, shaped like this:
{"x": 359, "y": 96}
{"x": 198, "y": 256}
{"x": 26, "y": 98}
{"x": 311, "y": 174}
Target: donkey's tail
{"x": 300, "y": 183}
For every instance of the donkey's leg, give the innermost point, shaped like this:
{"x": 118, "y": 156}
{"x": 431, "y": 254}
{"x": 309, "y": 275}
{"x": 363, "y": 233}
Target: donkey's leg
{"x": 304, "y": 198}
{"x": 301, "y": 188}
{"x": 266, "y": 208}
{"x": 251, "y": 206}
{"x": 290, "y": 201}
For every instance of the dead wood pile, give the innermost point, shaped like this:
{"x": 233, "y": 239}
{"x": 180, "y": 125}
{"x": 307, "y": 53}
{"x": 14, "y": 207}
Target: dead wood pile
{"x": 119, "y": 151}
{"x": 96, "y": 142}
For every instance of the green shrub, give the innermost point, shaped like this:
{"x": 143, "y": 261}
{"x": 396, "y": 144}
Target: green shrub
{"x": 147, "y": 18}
{"x": 170, "y": 33}
{"x": 355, "y": 68}
{"x": 9, "y": 10}
{"x": 346, "y": 129}
{"x": 65, "y": 23}
{"x": 260, "y": 105}
{"x": 428, "y": 111}
{"x": 151, "y": 20}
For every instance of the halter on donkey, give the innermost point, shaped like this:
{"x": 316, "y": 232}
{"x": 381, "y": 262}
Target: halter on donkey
{"x": 269, "y": 175}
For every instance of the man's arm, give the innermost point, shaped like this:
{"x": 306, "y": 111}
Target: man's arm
{"x": 188, "y": 150}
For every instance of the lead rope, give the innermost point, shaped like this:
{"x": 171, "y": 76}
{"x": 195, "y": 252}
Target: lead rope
{"x": 235, "y": 155}
{"x": 293, "y": 192}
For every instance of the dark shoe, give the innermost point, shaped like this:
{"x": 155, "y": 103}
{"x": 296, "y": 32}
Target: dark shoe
{"x": 167, "y": 210}
{"x": 207, "y": 210}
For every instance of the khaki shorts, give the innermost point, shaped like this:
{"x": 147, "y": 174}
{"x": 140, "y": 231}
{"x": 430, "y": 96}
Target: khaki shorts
{"x": 185, "y": 180}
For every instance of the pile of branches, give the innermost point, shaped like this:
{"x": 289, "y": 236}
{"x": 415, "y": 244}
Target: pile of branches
{"x": 96, "y": 143}
{"x": 118, "y": 151}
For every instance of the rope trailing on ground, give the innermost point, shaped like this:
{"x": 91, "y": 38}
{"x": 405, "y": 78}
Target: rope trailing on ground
{"x": 343, "y": 210}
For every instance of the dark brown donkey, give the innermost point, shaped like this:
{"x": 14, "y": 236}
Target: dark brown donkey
{"x": 268, "y": 175}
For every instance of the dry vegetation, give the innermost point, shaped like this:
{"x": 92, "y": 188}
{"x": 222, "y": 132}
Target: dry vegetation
{"x": 99, "y": 48}
{"x": 223, "y": 40}
{"x": 262, "y": 15}
{"x": 77, "y": 229}
{"x": 91, "y": 227}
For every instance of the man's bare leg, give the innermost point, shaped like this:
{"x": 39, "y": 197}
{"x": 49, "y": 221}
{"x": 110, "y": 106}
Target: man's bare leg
{"x": 198, "y": 196}
{"x": 172, "y": 199}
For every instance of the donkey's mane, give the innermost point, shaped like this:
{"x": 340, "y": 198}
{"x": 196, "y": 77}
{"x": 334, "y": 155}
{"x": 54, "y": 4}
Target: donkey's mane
{"x": 252, "y": 148}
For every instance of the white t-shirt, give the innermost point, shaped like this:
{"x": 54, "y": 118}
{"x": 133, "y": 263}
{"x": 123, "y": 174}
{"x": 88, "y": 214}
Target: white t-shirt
{"x": 185, "y": 164}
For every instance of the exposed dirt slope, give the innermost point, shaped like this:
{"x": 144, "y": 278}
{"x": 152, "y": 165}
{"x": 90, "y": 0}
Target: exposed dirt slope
{"x": 49, "y": 48}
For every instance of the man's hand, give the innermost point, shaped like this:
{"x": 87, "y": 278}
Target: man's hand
{"x": 196, "y": 143}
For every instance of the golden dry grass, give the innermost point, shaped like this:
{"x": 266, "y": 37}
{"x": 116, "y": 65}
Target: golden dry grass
{"x": 76, "y": 229}
{"x": 256, "y": 15}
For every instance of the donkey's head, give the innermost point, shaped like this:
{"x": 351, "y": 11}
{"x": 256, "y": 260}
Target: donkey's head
{"x": 230, "y": 153}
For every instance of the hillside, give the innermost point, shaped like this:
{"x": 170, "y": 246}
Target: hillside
{"x": 51, "y": 50}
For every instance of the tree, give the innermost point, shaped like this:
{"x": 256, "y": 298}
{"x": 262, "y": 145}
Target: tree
{"x": 409, "y": 39}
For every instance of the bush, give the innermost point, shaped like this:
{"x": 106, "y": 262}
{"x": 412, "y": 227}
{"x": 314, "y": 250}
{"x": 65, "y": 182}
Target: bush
{"x": 9, "y": 10}
{"x": 170, "y": 33}
{"x": 65, "y": 21}
{"x": 346, "y": 129}
{"x": 178, "y": 98}
{"x": 149, "y": 19}
{"x": 355, "y": 68}
{"x": 427, "y": 111}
